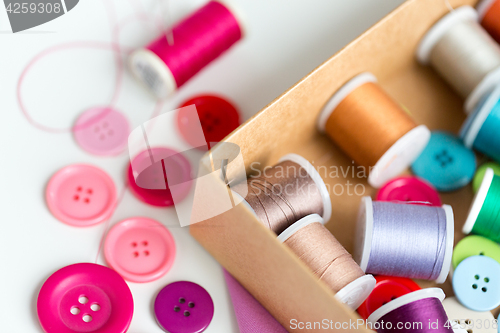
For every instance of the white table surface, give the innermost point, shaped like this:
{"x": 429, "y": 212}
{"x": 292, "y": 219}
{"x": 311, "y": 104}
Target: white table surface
{"x": 286, "y": 39}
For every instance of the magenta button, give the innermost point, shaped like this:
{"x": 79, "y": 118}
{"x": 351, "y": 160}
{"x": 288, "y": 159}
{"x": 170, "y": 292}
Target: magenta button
{"x": 184, "y": 307}
{"x": 102, "y": 131}
{"x": 85, "y": 298}
{"x": 409, "y": 189}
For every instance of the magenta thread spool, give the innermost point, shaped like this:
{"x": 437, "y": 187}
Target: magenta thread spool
{"x": 176, "y": 56}
{"x": 420, "y": 311}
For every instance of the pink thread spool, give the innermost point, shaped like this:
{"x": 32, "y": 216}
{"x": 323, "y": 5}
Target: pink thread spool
{"x": 172, "y": 59}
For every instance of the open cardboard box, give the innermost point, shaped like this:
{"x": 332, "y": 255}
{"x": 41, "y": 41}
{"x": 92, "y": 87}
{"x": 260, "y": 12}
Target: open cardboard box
{"x": 250, "y": 252}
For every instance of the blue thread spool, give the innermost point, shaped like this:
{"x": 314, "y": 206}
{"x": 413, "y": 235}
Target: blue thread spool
{"x": 481, "y": 130}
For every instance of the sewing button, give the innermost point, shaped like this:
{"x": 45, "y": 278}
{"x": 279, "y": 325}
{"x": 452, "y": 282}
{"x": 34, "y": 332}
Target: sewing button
{"x": 150, "y": 186}
{"x": 407, "y": 189}
{"x": 446, "y": 163}
{"x": 388, "y": 288}
{"x": 217, "y": 116}
{"x": 102, "y": 131}
{"x": 85, "y": 298}
{"x": 473, "y": 321}
{"x": 475, "y": 245}
{"x": 81, "y": 195}
{"x": 183, "y": 307}
{"x": 478, "y": 177}
{"x": 140, "y": 249}
{"x": 476, "y": 283}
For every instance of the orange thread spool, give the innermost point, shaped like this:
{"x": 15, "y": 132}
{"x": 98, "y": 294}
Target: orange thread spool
{"x": 489, "y": 13}
{"x": 372, "y": 129}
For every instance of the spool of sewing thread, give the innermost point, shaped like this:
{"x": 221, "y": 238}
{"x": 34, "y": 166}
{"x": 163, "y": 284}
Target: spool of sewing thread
{"x": 405, "y": 240}
{"x": 372, "y": 129}
{"x": 420, "y": 311}
{"x": 489, "y": 14}
{"x": 463, "y": 53}
{"x": 176, "y": 56}
{"x": 287, "y": 192}
{"x": 484, "y": 213}
{"x": 480, "y": 130}
{"x": 328, "y": 259}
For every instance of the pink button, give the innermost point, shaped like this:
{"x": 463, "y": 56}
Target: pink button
{"x": 85, "y": 298}
{"x": 151, "y": 168}
{"x": 409, "y": 189}
{"x": 140, "y": 249}
{"x": 102, "y": 131}
{"x": 81, "y": 195}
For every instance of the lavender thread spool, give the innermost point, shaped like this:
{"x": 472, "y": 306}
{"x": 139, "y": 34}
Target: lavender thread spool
{"x": 405, "y": 240}
{"x": 418, "y": 312}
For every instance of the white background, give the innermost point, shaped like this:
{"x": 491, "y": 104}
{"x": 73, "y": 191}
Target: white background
{"x": 285, "y": 40}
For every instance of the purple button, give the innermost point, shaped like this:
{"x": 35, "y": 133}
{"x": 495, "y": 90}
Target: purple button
{"x": 184, "y": 307}
{"x": 409, "y": 189}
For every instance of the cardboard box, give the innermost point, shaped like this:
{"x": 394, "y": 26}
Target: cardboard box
{"x": 250, "y": 252}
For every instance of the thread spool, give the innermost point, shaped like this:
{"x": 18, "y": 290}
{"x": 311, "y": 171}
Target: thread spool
{"x": 404, "y": 314}
{"x": 328, "y": 259}
{"x": 372, "y": 129}
{"x": 480, "y": 130}
{"x": 463, "y": 53}
{"x": 484, "y": 214}
{"x": 489, "y": 12}
{"x": 167, "y": 63}
{"x": 287, "y": 192}
{"x": 405, "y": 240}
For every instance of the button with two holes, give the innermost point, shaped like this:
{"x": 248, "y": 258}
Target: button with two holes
{"x": 85, "y": 298}
{"x": 140, "y": 249}
{"x": 81, "y": 195}
{"x": 184, "y": 307}
{"x": 475, "y": 245}
{"x": 446, "y": 163}
{"x": 476, "y": 283}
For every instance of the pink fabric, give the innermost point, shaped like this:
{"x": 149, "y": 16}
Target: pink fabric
{"x": 251, "y": 316}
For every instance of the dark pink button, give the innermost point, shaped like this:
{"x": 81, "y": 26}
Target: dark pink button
{"x": 409, "y": 189}
{"x": 85, "y": 298}
{"x": 140, "y": 249}
{"x": 102, "y": 131}
{"x": 151, "y": 171}
{"x": 184, "y": 307}
{"x": 81, "y": 195}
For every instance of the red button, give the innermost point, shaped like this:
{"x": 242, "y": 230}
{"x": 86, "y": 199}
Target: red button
{"x": 409, "y": 188}
{"x": 217, "y": 116}
{"x": 387, "y": 289}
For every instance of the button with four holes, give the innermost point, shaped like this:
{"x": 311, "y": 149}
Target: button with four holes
{"x": 388, "y": 288}
{"x": 476, "y": 283}
{"x": 471, "y": 321}
{"x": 475, "y": 245}
{"x": 85, "y": 298}
{"x": 102, "y": 131}
{"x": 81, "y": 195}
{"x": 446, "y": 163}
{"x": 151, "y": 172}
{"x": 140, "y": 249}
{"x": 409, "y": 189}
{"x": 184, "y": 307}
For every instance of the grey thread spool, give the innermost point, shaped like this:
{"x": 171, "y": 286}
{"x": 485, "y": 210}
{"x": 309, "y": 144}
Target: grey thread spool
{"x": 463, "y": 53}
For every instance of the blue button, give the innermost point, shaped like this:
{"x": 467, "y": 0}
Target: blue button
{"x": 446, "y": 163}
{"x": 476, "y": 283}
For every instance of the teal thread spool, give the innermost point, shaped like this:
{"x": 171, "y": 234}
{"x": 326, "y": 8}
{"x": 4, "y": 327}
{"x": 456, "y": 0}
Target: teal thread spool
{"x": 484, "y": 214}
{"x": 481, "y": 130}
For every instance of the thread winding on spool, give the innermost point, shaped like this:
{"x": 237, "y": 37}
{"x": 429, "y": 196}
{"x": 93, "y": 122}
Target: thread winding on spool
{"x": 463, "y": 53}
{"x": 372, "y": 129}
{"x": 420, "y": 311}
{"x": 287, "y": 192}
{"x": 405, "y": 240}
{"x": 199, "y": 39}
{"x": 480, "y": 130}
{"x": 489, "y": 13}
{"x": 484, "y": 214}
{"x": 328, "y": 259}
